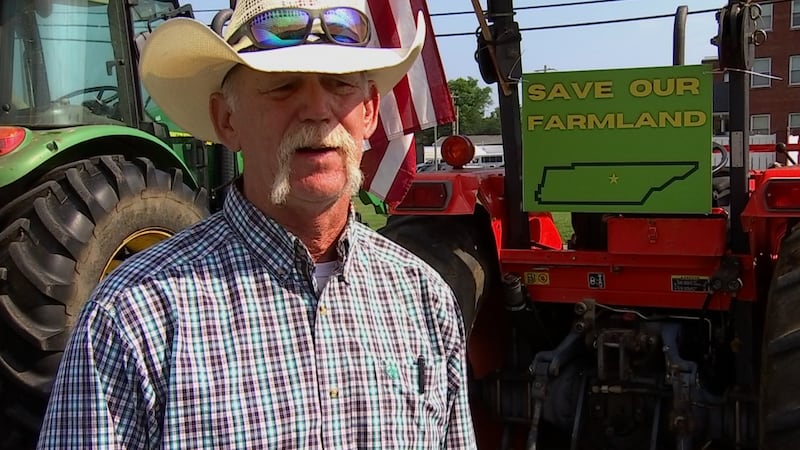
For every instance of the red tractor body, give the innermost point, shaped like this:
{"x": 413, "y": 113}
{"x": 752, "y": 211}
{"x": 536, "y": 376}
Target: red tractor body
{"x": 651, "y": 281}
{"x": 669, "y": 317}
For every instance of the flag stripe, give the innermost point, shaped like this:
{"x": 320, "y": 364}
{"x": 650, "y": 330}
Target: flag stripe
{"x": 389, "y": 34}
{"x": 372, "y": 159}
{"x": 420, "y": 100}
{"x": 405, "y": 173}
{"x": 391, "y": 119}
{"x": 392, "y": 163}
{"x": 434, "y": 71}
{"x": 417, "y": 76}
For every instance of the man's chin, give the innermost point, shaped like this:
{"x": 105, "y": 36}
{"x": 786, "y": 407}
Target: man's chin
{"x": 300, "y": 196}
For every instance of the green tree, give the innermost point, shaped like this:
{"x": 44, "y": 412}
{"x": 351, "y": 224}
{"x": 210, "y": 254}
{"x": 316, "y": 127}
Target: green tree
{"x": 472, "y": 102}
{"x": 491, "y": 124}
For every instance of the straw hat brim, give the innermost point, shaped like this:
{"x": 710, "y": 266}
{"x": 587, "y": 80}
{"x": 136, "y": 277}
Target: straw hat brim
{"x": 184, "y": 62}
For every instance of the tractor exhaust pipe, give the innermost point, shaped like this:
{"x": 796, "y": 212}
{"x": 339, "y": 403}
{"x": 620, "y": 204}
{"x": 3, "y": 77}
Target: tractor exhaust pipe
{"x": 679, "y": 36}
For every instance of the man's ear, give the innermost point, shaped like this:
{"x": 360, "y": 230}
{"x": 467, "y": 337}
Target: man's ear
{"x": 220, "y": 113}
{"x": 372, "y": 105}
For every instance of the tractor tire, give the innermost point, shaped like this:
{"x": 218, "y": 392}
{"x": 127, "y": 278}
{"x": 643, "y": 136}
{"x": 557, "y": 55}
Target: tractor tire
{"x": 454, "y": 247}
{"x": 56, "y": 243}
{"x": 779, "y": 407}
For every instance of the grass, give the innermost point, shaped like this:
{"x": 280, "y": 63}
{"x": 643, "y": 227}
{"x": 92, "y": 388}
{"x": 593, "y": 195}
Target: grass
{"x": 368, "y": 215}
{"x": 564, "y": 225}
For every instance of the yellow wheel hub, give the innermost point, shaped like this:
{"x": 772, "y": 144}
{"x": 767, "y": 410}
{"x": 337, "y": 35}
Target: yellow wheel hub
{"x": 135, "y": 243}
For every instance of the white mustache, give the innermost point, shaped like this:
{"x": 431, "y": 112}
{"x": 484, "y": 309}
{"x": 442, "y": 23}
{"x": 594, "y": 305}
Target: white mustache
{"x": 315, "y": 136}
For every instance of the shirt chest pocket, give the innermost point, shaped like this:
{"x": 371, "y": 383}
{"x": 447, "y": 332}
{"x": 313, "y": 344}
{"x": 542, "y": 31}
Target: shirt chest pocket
{"x": 413, "y": 395}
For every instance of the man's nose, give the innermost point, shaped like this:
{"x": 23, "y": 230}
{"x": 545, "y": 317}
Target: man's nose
{"x": 315, "y": 102}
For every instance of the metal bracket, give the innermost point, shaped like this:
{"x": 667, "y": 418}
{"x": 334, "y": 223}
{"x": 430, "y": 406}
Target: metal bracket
{"x": 682, "y": 375}
{"x": 727, "y": 278}
{"x": 547, "y": 365}
{"x": 737, "y": 35}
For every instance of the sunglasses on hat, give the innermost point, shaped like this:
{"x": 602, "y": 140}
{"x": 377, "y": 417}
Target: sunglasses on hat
{"x": 286, "y": 27}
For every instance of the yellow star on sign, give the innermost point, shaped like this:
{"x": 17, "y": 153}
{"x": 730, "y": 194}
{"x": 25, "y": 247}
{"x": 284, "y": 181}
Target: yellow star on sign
{"x": 614, "y": 179}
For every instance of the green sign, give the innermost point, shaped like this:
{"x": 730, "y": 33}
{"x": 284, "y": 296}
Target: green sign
{"x": 628, "y": 140}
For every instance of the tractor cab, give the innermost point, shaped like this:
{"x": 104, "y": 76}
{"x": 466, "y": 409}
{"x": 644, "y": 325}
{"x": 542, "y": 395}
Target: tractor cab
{"x": 70, "y": 63}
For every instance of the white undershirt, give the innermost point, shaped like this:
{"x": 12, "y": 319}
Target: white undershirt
{"x": 323, "y": 272}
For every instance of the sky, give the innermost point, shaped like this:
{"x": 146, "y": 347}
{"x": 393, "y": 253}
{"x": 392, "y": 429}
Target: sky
{"x": 630, "y": 44}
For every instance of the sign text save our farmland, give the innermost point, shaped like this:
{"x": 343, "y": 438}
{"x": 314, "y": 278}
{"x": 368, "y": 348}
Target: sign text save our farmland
{"x": 629, "y": 140}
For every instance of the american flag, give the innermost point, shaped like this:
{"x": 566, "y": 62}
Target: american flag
{"x": 421, "y": 100}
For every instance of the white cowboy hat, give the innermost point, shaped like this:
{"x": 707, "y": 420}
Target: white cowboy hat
{"x": 184, "y": 61}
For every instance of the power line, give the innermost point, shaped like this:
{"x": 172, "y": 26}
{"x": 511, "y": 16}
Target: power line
{"x": 606, "y": 22}
{"x": 610, "y": 21}
{"x": 586, "y": 24}
{"x": 570, "y": 25}
{"x": 521, "y": 8}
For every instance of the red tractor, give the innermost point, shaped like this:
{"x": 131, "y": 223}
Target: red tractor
{"x": 645, "y": 330}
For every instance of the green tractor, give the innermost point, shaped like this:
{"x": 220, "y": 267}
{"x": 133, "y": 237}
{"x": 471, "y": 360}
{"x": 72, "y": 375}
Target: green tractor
{"x": 91, "y": 172}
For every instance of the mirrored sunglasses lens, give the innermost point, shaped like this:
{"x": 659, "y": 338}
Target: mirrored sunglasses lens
{"x": 346, "y": 25}
{"x": 280, "y": 28}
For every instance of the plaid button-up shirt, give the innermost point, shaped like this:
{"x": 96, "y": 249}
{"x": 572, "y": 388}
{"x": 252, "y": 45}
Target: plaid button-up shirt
{"x": 217, "y": 339}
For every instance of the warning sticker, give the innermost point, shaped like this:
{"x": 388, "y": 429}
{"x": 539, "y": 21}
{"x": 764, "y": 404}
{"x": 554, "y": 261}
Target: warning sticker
{"x": 537, "y": 278}
{"x": 690, "y": 283}
{"x": 597, "y": 280}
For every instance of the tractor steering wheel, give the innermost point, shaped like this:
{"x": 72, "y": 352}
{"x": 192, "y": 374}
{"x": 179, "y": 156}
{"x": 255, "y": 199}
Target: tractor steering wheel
{"x": 723, "y": 162}
{"x": 100, "y": 105}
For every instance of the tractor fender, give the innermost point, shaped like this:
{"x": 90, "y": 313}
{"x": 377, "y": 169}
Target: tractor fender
{"x": 451, "y": 194}
{"x": 459, "y": 194}
{"x": 542, "y": 229}
{"x": 766, "y": 225}
{"x": 43, "y": 150}
{"x": 469, "y": 193}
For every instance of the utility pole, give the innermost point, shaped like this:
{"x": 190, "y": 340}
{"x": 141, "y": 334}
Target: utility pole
{"x": 456, "y": 127}
{"x": 436, "y": 155}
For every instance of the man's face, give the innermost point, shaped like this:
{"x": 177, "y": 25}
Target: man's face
{"x": 301, "y": 134}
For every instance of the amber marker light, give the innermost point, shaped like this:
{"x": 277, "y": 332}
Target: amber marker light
{"x": 457, "y": 151}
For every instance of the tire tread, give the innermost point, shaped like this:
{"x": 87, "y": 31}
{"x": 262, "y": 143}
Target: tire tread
{"x": 44, "y": 237}
{"x": 780, "y": 392}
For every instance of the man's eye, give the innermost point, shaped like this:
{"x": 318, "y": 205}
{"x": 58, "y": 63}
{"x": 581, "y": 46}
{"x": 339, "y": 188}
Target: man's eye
{"x": 344, "y": 86}
{"x": 278, "y": 90}
{"x": 283, "y": 87}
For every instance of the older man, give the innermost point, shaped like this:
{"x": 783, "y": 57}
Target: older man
{"x": 279, "y": 322}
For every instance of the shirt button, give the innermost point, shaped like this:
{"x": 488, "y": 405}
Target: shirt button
{"x": 334, "y": 393}
{"x": 323, "y": 310}
{"x": 392, "y": 371}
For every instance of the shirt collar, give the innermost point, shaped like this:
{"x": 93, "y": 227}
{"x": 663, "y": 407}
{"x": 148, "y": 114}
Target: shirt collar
{"x": 270, "y": 242}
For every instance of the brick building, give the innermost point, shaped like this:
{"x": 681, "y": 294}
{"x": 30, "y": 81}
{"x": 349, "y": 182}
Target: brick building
{"x": 774, "y": 100}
